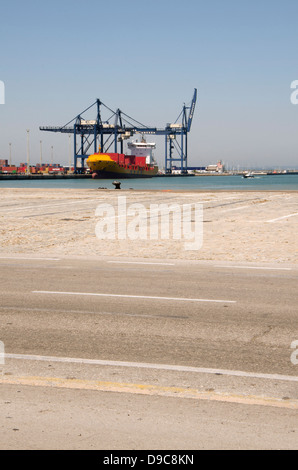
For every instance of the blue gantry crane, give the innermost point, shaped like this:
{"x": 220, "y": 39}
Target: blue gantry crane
{"x": 111, "y": 133}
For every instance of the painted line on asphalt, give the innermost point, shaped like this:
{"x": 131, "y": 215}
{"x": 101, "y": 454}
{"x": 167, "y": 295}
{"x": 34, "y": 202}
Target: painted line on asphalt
{"x": 148, "y": 390}
{"x": 256, "y": 267}
{"x": 140, "y": 262}
{"x": 144, "y": 297}
{"x": 144, "y": 365}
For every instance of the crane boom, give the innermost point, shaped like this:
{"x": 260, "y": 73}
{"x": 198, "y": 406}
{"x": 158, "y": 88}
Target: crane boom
{"x": 192, "y": 110}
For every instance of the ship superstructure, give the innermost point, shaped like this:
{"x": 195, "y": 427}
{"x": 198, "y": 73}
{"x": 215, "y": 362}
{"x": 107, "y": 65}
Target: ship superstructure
{"x": 143, "y": 149}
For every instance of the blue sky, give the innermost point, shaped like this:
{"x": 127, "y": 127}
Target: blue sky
{"x": 146, "y": 58}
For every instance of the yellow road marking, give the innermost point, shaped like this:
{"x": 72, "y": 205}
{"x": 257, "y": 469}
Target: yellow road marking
{"x": 147, "y": 389}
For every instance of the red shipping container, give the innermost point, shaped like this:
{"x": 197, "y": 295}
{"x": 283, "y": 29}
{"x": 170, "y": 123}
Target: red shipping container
{"x": 121, "y": 159}
{"x": 141, "y": 161}
{"x": 9, "y": 169}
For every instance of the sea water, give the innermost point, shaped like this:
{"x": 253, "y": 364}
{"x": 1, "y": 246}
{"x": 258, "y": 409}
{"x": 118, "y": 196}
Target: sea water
{"x": 284, "y": 182}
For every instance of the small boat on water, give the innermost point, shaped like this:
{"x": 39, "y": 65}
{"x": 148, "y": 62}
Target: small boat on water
{"x": 248, "y": 175}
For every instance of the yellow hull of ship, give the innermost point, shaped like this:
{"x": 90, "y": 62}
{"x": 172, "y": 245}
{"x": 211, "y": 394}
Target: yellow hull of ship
{"x": 104, "y": 166}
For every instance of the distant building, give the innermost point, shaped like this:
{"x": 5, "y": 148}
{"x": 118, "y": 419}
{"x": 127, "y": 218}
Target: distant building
{"x": 198, "y": 168}
{"x": 218, "y": 168}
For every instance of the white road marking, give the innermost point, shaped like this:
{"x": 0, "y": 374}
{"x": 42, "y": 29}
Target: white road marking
{"x": 143, "y": 365}
{"x": 139, "y": 262}
{"x": 182, "y": 299}
{"x": 256, "y": 267}
{"x": 281, "y": 218}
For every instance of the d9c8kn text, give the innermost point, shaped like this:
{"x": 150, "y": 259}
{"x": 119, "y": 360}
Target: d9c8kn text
{"x": 170, "y": 459}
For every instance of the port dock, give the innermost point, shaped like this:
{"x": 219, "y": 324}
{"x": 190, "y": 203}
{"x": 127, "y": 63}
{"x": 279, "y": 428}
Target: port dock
{"x": 45, "y": 177}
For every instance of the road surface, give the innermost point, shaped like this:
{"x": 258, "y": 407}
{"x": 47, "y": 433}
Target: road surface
{"x": 145, "y": 354}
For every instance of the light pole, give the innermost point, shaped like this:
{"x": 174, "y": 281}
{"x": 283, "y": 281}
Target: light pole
{"x": 52, "y": 157}
{"x": 9, "y": 153}
{"x": 69, "y": 149}
{"x": 41, "y": 153}
{"x": 28, "y": 153}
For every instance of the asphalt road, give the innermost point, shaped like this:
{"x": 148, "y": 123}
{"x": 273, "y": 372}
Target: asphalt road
{"x": 116, "y": 354}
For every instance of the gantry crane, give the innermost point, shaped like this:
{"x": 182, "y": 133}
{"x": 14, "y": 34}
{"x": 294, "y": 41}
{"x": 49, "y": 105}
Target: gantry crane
{"x": 111, "y": 133}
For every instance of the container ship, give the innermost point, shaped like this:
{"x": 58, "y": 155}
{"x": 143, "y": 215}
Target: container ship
{"x": 139, "y": 164}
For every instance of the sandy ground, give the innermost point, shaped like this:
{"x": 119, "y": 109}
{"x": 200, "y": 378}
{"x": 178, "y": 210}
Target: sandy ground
{"x": 237, "y": 226}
